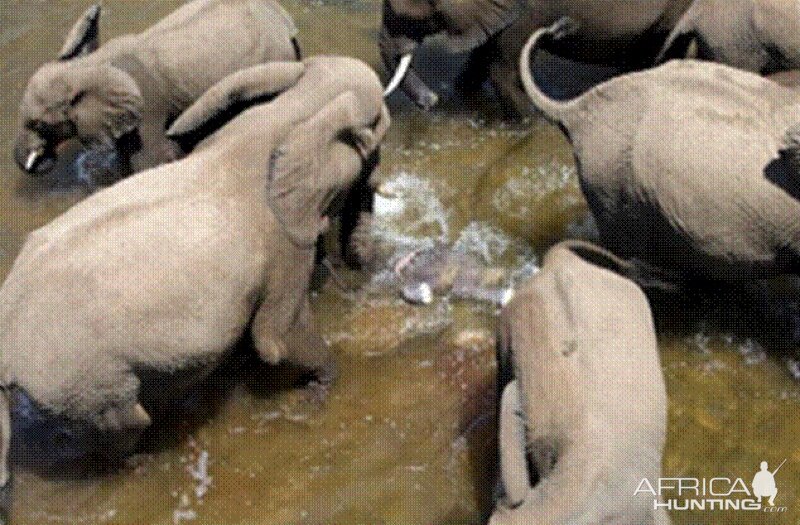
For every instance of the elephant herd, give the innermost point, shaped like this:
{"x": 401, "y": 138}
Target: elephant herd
{"x": 225, "y": 155}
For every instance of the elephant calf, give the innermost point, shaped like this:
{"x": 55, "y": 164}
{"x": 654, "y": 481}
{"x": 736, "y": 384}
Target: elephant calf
{"x": 587, "y": 407}
{"x": 690, "y": 168}
{"x": 146, "y": 285}
{"x": 119, "y": 98}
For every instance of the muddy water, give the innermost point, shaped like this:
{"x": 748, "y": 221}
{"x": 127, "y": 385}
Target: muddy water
{"x": 406, "y": 434}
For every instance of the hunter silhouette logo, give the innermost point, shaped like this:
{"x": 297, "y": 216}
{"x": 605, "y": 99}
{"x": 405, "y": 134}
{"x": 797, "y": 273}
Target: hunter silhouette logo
{"x": 721, "y": 493}
{"x": 764, "y": 483}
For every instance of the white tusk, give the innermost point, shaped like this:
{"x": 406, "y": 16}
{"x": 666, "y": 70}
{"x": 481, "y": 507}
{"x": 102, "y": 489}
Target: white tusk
{"x": 507, "y": 296}
{"x": 418, "y": 293}
{"x": 399, "y": 74}
{"x": 33, "y": 156}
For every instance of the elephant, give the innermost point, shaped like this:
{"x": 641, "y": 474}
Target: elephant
{"x": 755, "y": 35}
{"x": 790, "y": 79}
{"x": 624, "y": 32}
{"x": 583, "y": 416}
{"x": 690, "y": 168}
{"x": 145, "y": 286}
{"x": 118, "y": 99}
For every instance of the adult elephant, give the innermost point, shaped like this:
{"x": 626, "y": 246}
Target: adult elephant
{"x": 583, "y": 410}
{"x": 621, "y": 32}
{"x": 145, "y": 287}
{"x": 762, "y": 36}
{"x": 690, "y": 168}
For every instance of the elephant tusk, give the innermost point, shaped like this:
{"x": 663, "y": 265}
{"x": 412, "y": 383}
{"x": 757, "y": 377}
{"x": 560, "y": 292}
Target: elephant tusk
{"x": 399, "y": 74}
{"x": 507, "y": 296}
{"x": 33, "y": 158}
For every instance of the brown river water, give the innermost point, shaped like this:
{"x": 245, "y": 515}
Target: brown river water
{"x": 406, "y": 435}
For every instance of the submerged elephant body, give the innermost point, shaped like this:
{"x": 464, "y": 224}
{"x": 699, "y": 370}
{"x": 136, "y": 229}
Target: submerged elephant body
{"x": 118, "y": 99}
{"x": 622, "y": 32}
{"x": 690, "y": 167}
{"x": 586, "y": 406}
{"x": 160, "y": 274}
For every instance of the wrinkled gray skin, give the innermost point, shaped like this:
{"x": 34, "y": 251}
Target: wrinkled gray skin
{"x": 624, "y": 32}
{"x": 146, "y": 285}
{"x": 118, "y": 99}
{"x": 762, "y": 36}
{"x": 690, "y": 168}
{"x": 586, "y": 404}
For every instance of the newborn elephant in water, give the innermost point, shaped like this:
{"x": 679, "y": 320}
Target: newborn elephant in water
{"x": 119, "y": 98}
{"x": 146, "y": 285}
{"x": 586, "y": 407}
{"x": 691, "y": 168}
{"x": 620, "y": 32}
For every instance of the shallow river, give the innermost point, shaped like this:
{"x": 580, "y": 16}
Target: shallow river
{"x": 406, "y": 434}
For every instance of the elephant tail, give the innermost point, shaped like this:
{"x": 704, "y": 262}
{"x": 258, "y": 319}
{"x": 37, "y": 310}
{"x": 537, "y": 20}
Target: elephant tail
{"x": 553, "y": 109}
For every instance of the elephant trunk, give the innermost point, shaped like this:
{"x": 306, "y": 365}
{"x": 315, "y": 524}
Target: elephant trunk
{"x": 33, "y": 154}
{"x": 554, "y": 110}
{"x": 513, "y": 448}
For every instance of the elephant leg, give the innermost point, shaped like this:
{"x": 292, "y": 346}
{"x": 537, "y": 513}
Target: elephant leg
{"x": 506, "y": 82}
{"x": 476, "y": 70}
{"x": 284, "y": 297}
{"x": 306, "y": 348}
{"x": 297, "y": 342}
{"x": 357, "y": 206}
{"x": 513, "y": 459}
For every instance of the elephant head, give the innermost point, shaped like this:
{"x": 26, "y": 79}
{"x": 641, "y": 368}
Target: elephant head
{"x": 324, "y": 151}
{"x": 406, "y": 23}
{"x": 571, "y": 449}
{"x": 72, "y": 97}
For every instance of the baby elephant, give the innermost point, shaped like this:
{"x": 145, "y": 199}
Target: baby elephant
{"x": 587, "y": 406}
{"x": 146, "y": 285}
{"x": 691, "y": 168}
{"x": 118, "y": 99}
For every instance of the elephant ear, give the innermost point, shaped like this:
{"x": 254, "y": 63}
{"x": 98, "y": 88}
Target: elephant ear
{"x": 237, "y": 89}
{"x": 791, "y": 148}
{"x": 84, "y": 37}
{"x": 315, "y": 162}
{"x": 471, "y": 23}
